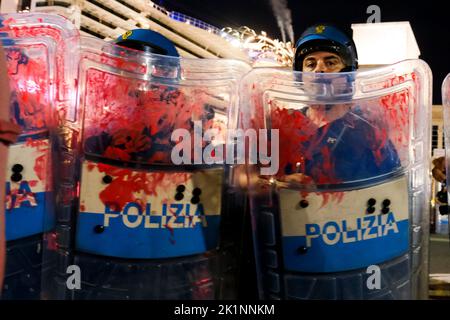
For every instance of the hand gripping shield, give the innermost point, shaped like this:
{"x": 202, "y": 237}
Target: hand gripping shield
{"x": 343, "y": 212}
{"x": 152, "y": 219}
{"x": 37, "y": 47}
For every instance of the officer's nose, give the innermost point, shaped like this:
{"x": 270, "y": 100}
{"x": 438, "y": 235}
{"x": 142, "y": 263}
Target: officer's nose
{"x": 320, "y": 67}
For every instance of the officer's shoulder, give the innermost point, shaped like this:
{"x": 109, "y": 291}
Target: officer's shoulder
{"x": 359, "y": 121}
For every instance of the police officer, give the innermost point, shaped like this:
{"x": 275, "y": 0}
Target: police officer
{"x": 355, "y": 151}
{"x": 337, "y": 155}
{"x": 168, "y": 268}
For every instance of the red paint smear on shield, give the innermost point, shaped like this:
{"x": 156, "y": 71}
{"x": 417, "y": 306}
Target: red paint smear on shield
{"x": 30, "y": 89}
{"x": 40, "y": 167}
{"x": 171, "y": 239}
{"x": 139, "y": 115}
{"x": 389, "y": 117}
{"x": 36, "y": 69}
{"x": 52, "y": 241}
{"x": 294, "y": 130}
{"x": 33, "y": 183}
{"x": 126, "y": 183}
{"x": 38, "y": 144}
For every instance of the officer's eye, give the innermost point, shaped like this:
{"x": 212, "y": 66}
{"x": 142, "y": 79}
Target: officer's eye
{"x": 310, "y": 65}
{"x": 331, "y": 63}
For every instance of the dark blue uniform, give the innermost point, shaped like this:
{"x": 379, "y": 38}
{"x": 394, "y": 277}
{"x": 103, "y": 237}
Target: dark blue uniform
{"x": 348, "y": 150}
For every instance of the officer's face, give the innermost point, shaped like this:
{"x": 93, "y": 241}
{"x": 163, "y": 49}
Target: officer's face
{"x": 322, "y": 61}
{"x": 325, "y": 62}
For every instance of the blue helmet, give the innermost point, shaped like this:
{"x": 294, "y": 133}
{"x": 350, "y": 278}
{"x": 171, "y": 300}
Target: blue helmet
{"x": 323, "y": 37}
{"x": 148, "y": 41}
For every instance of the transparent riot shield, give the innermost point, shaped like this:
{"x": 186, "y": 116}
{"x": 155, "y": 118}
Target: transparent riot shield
{"x": 142, "y": 216}
{"x": 341, "y": 211}
{"x": 36, "y": 48}
{"x": 446, "y": 106}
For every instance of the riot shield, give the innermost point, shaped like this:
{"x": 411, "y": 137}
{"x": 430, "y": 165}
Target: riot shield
{"x": 37, "y": 47}
{"x": 142, "y": 216}
{"x": 341, "y": 211}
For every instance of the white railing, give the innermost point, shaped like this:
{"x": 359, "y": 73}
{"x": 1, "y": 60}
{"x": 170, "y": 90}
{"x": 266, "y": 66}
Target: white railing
{"x": 187, "y": 19}
{"x": 194, "y": 22}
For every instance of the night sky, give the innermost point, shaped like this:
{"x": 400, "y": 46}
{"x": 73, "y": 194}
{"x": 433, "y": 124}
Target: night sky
{"x": 429, "y": 20}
